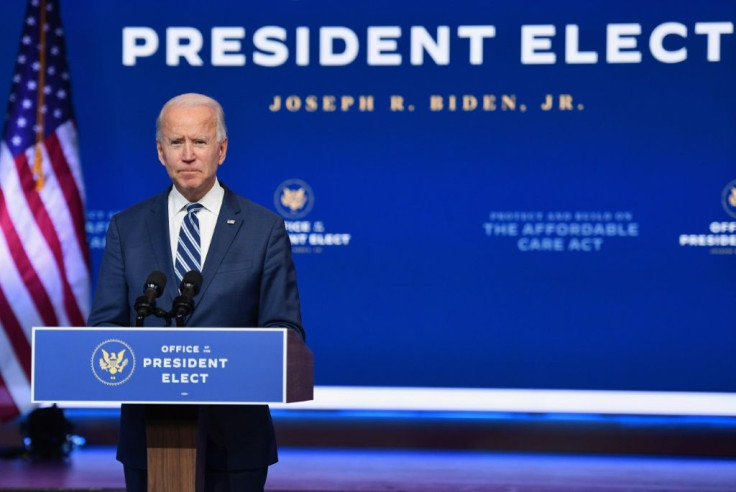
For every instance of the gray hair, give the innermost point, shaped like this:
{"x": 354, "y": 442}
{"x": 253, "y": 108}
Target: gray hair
{"x": 192, "y": 100}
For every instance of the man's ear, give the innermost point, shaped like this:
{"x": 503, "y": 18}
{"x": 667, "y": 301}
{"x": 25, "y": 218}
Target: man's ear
{"x": 160, "y": 151}
{"x": 222, "y": 151}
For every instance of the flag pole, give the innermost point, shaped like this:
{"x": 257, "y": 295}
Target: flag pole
{"x": 38, "y": 153}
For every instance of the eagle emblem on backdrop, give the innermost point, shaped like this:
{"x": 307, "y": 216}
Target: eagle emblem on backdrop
{"x": 728, "y": 198}
{"x": 113, "y": 362}
{"x": 293, "y": 199}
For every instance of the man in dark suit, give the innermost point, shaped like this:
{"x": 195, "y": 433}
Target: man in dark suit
{"x": 249, "y": 280}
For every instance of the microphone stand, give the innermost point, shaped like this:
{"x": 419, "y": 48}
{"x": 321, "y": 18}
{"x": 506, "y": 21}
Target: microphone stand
{"x": 180, "y": 309}
{"x": 160, "y": 313}
{"x": 183, "y": 304}
{"x": 145, "y": 305}
{"x": 144, "y": 309}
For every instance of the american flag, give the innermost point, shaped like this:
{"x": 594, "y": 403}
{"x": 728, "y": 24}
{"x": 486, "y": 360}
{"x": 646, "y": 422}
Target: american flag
{"x": 44, "y": 257}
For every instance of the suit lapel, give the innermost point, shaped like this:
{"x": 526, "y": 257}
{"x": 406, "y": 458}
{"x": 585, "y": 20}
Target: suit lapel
{"x": 157, "y": 223}
{"x": 228, "y": 224}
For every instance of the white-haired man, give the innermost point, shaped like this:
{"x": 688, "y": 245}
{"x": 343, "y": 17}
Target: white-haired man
{"x": 244, "y": 255}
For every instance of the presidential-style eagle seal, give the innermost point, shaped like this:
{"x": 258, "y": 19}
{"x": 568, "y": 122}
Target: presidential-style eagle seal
{"x": 113, "y": 362}
{"x": 293, "y": 199}
{"x": 728, "y": 198}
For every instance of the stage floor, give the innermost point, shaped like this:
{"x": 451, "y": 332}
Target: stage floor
{"x": 343, "y": 470}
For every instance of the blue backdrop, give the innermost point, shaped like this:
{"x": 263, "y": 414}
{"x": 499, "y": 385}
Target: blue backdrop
{"x": 505, "y": 243}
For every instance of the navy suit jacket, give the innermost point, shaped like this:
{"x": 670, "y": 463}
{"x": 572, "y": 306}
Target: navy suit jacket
{"x": 249, "y": 280}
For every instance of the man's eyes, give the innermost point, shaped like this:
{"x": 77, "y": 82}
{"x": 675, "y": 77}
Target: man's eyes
{"x": 179, "y": 142}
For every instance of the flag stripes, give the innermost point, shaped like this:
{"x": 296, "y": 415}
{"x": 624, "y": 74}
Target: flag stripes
{"x": 43, "y": 248}
{"x": 16, "y": 338}
{"x": 29, "y": 279}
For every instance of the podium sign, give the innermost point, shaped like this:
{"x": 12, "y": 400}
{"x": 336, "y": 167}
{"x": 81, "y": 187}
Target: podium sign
{"x": 170, "y": 365}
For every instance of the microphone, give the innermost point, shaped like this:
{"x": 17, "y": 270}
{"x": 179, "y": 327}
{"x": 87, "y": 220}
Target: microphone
{"x": 184, "y": 303}
{"x": 145, "y": 305}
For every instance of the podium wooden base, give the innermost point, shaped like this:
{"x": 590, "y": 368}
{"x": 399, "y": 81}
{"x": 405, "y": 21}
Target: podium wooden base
{"x": 176, "y": 448}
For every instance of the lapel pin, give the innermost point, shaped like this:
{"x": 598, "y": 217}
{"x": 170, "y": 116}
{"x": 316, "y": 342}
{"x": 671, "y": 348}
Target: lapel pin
{"x": 231, "y": 221}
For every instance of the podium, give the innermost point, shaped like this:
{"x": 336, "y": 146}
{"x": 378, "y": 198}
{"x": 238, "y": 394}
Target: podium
{"x": 158, "y": 367}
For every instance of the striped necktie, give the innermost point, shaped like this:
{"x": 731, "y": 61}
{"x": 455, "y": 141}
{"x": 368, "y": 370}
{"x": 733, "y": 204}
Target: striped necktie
{"x": 188, "y": 252}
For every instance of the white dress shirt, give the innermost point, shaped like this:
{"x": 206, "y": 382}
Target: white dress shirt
{"x": 207, "y": 217}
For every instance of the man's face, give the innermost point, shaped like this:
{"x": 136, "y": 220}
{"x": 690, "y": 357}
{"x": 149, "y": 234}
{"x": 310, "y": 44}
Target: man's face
{"x": 189, "y": 149}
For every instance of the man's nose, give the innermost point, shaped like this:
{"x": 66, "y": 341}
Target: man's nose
{"x": 188, "y": 152}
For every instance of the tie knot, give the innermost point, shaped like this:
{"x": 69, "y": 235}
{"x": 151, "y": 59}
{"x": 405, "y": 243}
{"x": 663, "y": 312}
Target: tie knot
{"x": 194, "y": 207}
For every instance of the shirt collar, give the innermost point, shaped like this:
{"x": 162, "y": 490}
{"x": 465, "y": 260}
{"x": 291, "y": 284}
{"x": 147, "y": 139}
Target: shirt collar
{"x": 211, "y": 201}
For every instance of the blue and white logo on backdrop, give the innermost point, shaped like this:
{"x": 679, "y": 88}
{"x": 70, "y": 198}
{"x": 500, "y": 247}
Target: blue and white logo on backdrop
{"x": 720, "y": 238}
{"x": 293, "y": 199}
{"x": 729, "y": 198}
